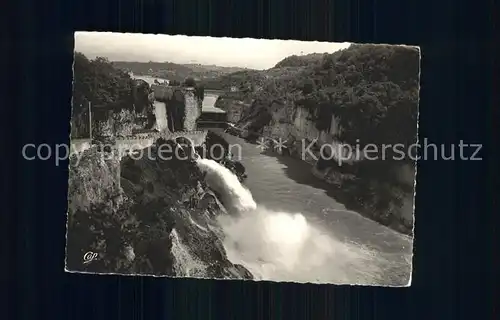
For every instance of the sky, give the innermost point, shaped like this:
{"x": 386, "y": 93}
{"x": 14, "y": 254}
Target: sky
{"x": 226, "y": 52}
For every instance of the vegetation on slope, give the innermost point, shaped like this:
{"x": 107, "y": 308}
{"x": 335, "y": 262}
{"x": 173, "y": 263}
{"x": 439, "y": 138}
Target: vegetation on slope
{"x": 372, "y": 90}
{"x": 301, "y": 61}
{"x": 98, "y": 81}
{"x": 243, "y": 80}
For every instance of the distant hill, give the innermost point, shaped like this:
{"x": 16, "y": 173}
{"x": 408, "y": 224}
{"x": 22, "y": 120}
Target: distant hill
{"x": 174, "y": 71}
{"x": 205, "y": 68}
{"x": 247, "y": 79}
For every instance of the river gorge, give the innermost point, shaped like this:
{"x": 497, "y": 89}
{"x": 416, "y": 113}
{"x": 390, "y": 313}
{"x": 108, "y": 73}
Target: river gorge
{"x": 300, "y": 233}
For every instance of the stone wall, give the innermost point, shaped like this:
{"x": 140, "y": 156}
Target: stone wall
{"x": 192, "y": 110}
{"x": 139, "y": 141}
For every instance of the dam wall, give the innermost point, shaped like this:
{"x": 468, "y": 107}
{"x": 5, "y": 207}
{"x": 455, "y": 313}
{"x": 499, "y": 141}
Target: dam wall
{"x": 126, "y": 145}
{"x": 141, "y": 141}
{"x": 182, "y": 106}
{"x": 198, "y": 137}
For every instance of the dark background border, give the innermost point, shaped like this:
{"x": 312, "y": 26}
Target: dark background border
{"x": 453, "y": 263}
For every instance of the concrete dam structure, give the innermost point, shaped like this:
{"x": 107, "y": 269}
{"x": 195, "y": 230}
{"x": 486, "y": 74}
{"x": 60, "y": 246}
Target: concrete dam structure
{"x": 197, "y": 113}
{"x": 182, "y": 106}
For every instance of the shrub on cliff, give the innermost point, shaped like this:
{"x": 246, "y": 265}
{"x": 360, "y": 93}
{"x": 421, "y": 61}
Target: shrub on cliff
{"x": 190, "y": 82}
{"x": 373, "y": 90}
{"x": 99, "y": 82}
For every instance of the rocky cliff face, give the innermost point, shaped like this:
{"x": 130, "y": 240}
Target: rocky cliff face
{"x": 288, "y": 122}
{"x": 193, "y": 110}
{"x": 234, "y": 108}
{"x": 148, "y": 216}
{"x": 386, "y": 202}
{"x": 116, "y": 120}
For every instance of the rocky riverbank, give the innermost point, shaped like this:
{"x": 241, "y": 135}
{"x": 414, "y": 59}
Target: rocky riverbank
{"x": 381, "y": 191}
{"x": 148, "y": 216}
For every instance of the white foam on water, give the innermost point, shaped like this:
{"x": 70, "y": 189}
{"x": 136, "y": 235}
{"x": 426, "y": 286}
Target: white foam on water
{"x": 224, "y": 182}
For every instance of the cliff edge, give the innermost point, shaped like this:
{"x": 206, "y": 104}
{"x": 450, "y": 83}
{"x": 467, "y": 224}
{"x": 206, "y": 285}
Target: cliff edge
{"x": 148, "y": 216}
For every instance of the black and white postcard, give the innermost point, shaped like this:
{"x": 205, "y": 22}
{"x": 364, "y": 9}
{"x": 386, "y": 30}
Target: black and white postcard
{"x": 248, "y": 159}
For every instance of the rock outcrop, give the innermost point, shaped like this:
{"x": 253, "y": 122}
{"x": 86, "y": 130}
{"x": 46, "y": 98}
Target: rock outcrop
{"x": 148, "y": 216}
{"x": 116, "y": 120}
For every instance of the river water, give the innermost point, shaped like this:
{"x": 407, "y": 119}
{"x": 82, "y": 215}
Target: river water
{"x": 343, "y": 246}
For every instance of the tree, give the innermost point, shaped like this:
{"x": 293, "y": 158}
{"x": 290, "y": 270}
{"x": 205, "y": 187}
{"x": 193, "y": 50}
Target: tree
{"x": 174, "y": 83}
{"x": 99, "y": 82}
